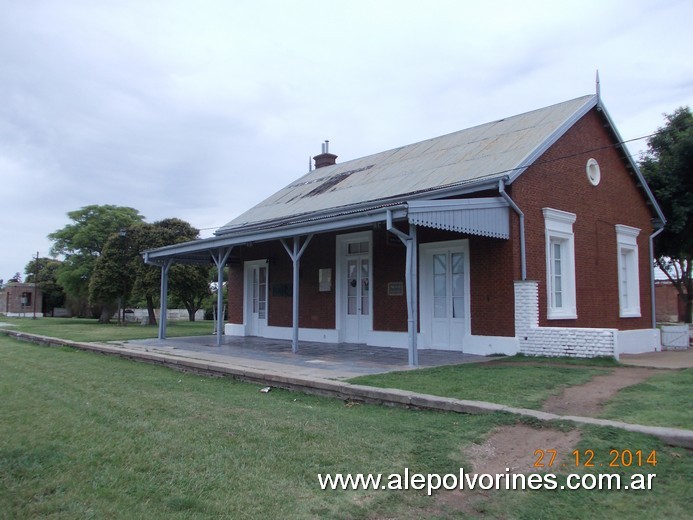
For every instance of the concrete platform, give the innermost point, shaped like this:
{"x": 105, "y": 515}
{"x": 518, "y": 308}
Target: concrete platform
{"x": 323, "y": 360}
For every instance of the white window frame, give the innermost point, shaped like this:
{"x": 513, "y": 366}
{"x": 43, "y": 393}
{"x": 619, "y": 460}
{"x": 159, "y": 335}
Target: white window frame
{"x": 559, "y": 230}
{"x": 628, "y": 271}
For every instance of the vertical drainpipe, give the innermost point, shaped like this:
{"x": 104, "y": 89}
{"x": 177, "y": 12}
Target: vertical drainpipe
{"x": 652, "y": 276}
{"x": 414, "y": 287}
{"x": 523, "y": 254}
{"x": 411, "y": 283}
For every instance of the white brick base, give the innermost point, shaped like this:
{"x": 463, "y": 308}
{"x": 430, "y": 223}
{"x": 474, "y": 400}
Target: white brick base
{"x": 556, "y": 341}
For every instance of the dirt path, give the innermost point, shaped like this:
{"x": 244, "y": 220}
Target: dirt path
{"x": 588, "y": 400}
{"x": 509, "y": 449}
{"x": 514, "y": 447}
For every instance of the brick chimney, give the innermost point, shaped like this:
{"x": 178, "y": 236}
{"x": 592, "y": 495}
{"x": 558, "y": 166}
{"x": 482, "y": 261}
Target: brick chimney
{"x": 325, "y": 158}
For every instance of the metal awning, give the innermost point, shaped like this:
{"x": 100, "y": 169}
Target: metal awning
{"x": 487, "y": 217}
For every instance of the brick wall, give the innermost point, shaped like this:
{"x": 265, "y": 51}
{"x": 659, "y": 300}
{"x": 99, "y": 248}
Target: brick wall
{"x": 11, "y": 299}
{"x": 558, "y": 180}
{"x": 316, "y": 309}
{"x": 534, "y": 340}
{"x": 389, "y": 264}
{"x": 235, "y": 293}
{"x": 491, "y": 286}
{"x": 570, "y": 342}
{"x": 670, "y": 308}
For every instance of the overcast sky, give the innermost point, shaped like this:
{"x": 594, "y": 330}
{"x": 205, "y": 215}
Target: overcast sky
{"x": 201, "y": 109}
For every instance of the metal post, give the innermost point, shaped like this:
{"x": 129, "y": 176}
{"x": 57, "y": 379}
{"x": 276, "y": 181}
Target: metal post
{"x": 295, "y": 256}
{"x": 220, "y": 303}
{"x": 220, "y": 260}
{"x": 164, "y": 297}
{"x": 294, "y": 308}
{"x": 36, "y": 274}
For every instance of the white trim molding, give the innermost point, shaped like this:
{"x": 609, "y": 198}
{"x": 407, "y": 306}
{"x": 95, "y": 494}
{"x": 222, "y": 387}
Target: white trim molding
{"x": 628, "y": 272}
{"x": 560, "y": 264}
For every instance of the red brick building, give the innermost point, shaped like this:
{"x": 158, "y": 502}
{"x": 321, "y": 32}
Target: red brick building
{"x": 528, "y": 234}
{"x": 21, "y": 299}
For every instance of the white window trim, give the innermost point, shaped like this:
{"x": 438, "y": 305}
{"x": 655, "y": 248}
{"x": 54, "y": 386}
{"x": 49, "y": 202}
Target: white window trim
{"x": 627, "y": 242}
{"x": 559, "y": 225}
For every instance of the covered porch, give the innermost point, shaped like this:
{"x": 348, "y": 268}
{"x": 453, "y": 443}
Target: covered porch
{"x": 485, "y": 217}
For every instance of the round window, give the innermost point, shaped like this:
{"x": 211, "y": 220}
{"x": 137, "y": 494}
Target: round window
{"x": 593, "y": 172}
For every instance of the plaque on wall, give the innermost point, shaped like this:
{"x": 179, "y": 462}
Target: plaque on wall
{"x": 395, "y": 289}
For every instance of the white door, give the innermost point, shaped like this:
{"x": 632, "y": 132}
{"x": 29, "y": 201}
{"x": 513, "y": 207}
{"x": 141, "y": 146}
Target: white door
{"x": 355, "y": 289}
{"x": 445, "y": 294}
{"x": 256, "y": 298}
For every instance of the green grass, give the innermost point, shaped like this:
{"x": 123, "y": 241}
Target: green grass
{"x": 90, "y": 436}
{"x": 79, "y": 329}
{"x": 662, "y": 400}
{"x": 86, "y": 436}
{"x": 602, "y": 361}
{"x": 522, "y": 385}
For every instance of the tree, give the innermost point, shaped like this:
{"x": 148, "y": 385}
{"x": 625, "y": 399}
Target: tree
{"x": 82, "y": 243}
{"x": 111, "y": 282}
{"x": 17, "y": 278}
{"x": 53, "y": 293}
{"x": 188, "y": 283}
{"x": 668, "y": 169}
{"x": 147, "y": 277}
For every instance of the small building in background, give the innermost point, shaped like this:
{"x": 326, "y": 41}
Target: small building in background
{"x": 21, "y": 299}
{"x": 670, "y": 307}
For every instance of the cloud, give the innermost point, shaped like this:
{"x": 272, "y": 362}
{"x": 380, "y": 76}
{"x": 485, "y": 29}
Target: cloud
{"x": 200, "y": 111}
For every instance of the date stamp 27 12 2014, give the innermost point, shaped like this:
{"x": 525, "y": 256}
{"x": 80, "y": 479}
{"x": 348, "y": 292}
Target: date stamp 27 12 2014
{"x": 547, "y": 458}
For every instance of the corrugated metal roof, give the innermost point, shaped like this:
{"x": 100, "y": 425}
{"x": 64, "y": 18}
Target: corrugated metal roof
{"x": 488, "y": 151}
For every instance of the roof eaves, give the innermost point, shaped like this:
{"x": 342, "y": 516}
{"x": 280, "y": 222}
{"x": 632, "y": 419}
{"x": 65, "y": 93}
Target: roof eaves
{"x": 325, "y": 221}
{"x": 244, "y": 235}
{"x": 352, "y": 209}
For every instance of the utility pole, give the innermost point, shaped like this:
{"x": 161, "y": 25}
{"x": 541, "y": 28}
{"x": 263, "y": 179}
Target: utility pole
{"x": 36, "y": 273}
